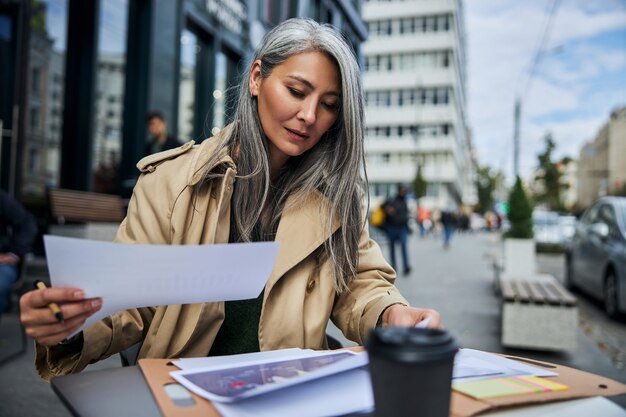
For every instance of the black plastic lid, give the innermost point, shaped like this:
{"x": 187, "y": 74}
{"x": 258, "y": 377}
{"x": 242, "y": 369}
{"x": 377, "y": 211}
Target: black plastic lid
{"x": 411, "y": 345}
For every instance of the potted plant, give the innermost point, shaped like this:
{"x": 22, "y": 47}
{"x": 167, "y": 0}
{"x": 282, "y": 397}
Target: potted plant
{"x": 519, "y": 246}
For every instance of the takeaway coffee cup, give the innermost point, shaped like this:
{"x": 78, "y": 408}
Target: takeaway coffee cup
{"x": 411, "y": 371}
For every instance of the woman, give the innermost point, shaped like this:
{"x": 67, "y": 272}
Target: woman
{"x": 287, "y": 169}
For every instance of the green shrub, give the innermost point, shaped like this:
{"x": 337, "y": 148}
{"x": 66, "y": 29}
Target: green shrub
{"x": 520, "y": 213}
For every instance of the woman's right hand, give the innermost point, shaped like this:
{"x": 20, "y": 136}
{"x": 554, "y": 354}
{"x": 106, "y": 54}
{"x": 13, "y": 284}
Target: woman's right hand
{"x": 41, "y": 324}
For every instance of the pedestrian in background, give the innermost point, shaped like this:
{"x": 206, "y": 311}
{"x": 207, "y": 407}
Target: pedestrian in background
{"x": 423, "y": 220}
{"x": 448, "y": 223}
{"x": 17, "y": 234}
{"x": 397, "y": 227}
{"x": 160, "y": 139}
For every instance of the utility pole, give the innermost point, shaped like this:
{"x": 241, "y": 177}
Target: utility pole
{"x": 516, "y": 137}
{"x": 538, "y": 55}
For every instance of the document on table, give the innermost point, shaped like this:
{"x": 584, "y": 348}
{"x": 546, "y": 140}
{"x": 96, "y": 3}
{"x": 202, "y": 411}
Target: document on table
{"x": 344, "y": 386}
{"x": 137, "y": 275}
{"x": 186, "y": 364}
{"x": 471, "y": 364}
{"x": 233, "y": 383}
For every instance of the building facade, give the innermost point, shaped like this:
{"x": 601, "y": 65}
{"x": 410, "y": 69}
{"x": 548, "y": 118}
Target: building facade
{"x": 601, "y": 167}
{"x": 415, "y": 77}
{"x": 79, "y": 76}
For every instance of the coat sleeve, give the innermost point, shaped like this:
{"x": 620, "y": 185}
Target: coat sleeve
{"x": 357, "y": 310}
{"x": 147, "y": 221}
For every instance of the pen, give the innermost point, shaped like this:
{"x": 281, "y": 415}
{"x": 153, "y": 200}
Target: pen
{"x": 423, "y": 324}
{"x": 54, "y": 307}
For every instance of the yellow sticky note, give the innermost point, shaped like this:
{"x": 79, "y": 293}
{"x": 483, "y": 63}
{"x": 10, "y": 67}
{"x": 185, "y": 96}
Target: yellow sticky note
{"x": 499, "y": 387}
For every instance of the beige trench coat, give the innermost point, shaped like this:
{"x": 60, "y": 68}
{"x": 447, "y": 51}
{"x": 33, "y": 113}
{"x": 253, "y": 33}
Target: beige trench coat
{"x": 299, "y": 296}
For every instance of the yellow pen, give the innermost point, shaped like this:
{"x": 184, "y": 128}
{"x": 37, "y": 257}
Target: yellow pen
{"x": 54, "y": 307}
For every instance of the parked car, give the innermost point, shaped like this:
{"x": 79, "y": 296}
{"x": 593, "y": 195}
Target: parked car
{"x": 546, "y": 228}
{"x": 596, "y": 256}
{"x": 567, "y": 224}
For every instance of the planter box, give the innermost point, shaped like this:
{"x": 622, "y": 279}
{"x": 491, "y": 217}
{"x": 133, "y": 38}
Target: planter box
{"x": 519, "y": 259}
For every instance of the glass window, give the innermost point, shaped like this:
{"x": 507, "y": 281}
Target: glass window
{"x": 420, "y": 24}
{"x": 384, "y": 28}
{"x": 44, "y": 98}
{"x": 384, "y": 62}
{"x": 606, "y": 215}
{"x": 443, "y": 24}
{"x": 591, "y": 215}
{"x": 33, "y": 159}
{"x": 34, "y": 119}
{"x": 622, "y": 210}
{"x": 373, "y": 27}
{"x": 432, "y": 189}
{"x": 431, "y": 24}
{"x": 110, "y": 78}
{"x": 189, "y": 49}
{"x": 273, "y": 11}
{"x": 219, "y": 94}
{"x": 315, "y": 10}
{"x": 36, "y": 81}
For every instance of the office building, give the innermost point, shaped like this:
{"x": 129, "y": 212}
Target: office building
{"x": 415, "y": 78}
{"x": 601, "y": 168}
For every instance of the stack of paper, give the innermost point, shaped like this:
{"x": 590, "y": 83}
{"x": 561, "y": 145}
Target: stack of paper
{"x": 286, "y": 382}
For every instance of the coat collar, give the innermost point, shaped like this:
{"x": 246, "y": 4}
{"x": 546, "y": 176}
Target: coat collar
{"x": 206, "y": 150}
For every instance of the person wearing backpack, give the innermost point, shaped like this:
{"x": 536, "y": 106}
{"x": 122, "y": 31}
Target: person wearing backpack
{"x": 397, "y": 227}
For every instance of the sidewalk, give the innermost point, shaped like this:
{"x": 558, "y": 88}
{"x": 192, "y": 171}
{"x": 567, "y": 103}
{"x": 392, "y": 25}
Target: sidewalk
{"x": 457, "y": 282}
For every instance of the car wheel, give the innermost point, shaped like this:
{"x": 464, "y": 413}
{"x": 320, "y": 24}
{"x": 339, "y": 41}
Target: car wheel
{"x": 611, "y": 301}
{"x": 569, "y": 274}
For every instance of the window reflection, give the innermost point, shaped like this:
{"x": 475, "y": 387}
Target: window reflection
{"x": 44, "y": 96}
{"x": 219, "y": 94}
{"x": 189, "y": 50}
{"x": 111, "y": 61}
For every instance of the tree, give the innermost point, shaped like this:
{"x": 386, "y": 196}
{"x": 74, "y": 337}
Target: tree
{"x": 550, "y": 176}
{"x": 486, "y": 183}
{"x": 38, "y": 16}
{"x": 520, "y": 213}
{"x": 419, "y": 184}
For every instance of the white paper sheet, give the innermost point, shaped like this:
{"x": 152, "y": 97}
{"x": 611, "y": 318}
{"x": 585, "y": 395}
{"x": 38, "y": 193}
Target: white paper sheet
{"x": 132, "y": 275}
{"x": 344, "y": 393}
{"x": 186, "y": 364}
{"x": 259, "y": 376}
{"x": 471, "y": 364}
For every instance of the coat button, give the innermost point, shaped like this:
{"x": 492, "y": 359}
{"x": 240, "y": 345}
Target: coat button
{"x": 310, "y": 285}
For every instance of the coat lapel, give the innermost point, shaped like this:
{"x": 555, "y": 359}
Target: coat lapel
{"x": 301, "y": 230}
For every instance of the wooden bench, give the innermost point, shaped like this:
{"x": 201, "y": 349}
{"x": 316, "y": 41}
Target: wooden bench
{"x": 85, "y": 214}
{"x": 538, "y": 314}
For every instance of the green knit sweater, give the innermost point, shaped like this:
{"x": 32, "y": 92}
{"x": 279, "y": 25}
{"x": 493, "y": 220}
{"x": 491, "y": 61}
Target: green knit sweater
{"x": 240, "y": 330}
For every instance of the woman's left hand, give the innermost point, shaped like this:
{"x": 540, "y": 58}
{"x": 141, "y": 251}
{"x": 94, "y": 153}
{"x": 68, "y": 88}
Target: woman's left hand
{"x": 403, "y": 316}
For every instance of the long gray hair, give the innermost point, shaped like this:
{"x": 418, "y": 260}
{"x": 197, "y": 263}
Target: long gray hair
{"x": 334, "y": 167}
